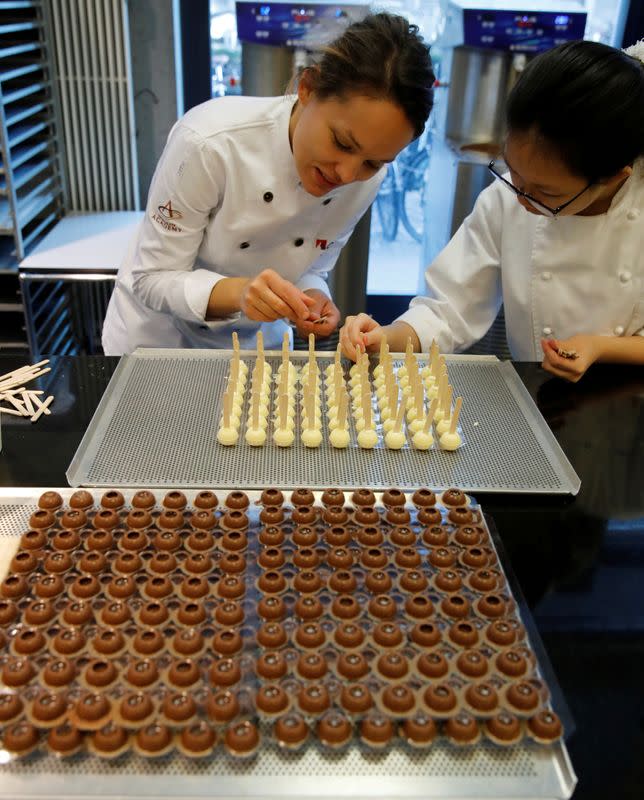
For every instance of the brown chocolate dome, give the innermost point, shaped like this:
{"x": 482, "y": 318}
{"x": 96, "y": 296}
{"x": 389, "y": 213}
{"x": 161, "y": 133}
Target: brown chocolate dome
{"x": 310, "y": 635}
{"x": 42, "y": 519}
{"x": 85, "y": 586}
{"x": 92, "y": 707}
{"x": 501, "y": 632}
{"x": 432, "y": 665}
{"x": 304, "y": 515}
{"x": 440, "y": 698}
{"x": 469, "y": 535}
{"x": 454, "y": 497}
{"x": 356, "y": 698}
{"x": 148, "y": 641}
{"x": 153, "y": 612}
{"x": 271, "y": 536}
{"x": 387, "y": 634}
{"x": 188, "y": 641}
{"x": 68, "y": 641}
{"x": 206, "y": 500}
{"x": 419, "y": 606}
{"x": 101, "y": 540}
{"x": 413, "y": 581}
{"x": 408, "y": 558}
{"x": 374, "y": 558}
{"x": 271, "y": 665}
{"x": 66, "y": 540}
{"x": 193, "y": 587}
{"x": 198, "y": 738}
{"x": 336, "y": 515}
{"x": 232, "y": 563}
{"x": 203, "y": 541}
{"x": 229, "y": 613}
{"x": 271, "y": 582}
{"x": 198, "y": 563}
{"x": 64, "y": 739}
{"x": 235, "y": 520}
{"x": 108, "y": 641}
{"x": 28, "y": 641}
{"x": 484, "y": 580}
{"x": 138, "y": 519}
{"x": 314, "y": 698}
{"x": 290, "y": 730}
{"x": 398, "y": 699}
{"x": 272, "y": 515}
{"x": 460, "y": 515}
{"x": 343, "y": 581}
{"x": 511, "y": 663}
{"x": 402, "y": 536}
{"x": 474, "y": 557}
{"x": 333, "y": 497}
{"x": 227, "y": 642}
{"x": 491, "y": 605}
{"x": 393, "y": 497}
{"x": 170, "y": 519}
{"x": 306, "y": 536}
{"x": 49, "y": 586}
{"x": 222, "y": 706}
{"x": 231, "y": 587}
{"x": 337, "y": 536}
{"x": 48, "y": 707}
{"x": 14, "y": 586}
{"x": 307, "y": 582}
{"x": 345, "y": 606}
{"x": 59, "y": 562}
{"x": 271, "y": 699}
{"x": 522, "y": 696}
{"x": 143, "y": 499}
{"x": 429, "y": 517}
{"x": 272, "y": 635}
{"x": 504, "y": 727}
{"x": 397, "y": 515}
{"x": 378, "y": 582}
{"x": 113, "y": 500}
{"x": 33, "y": 540}
{"x": 423, "y": 498}
{"x": 154, "y": 738}
{"x": 20, "y": 737}
{"x": 110, "y": 739}
{"x": 234, "y": 541}
{"x": 349, "y": 635}
{"x": 545, "y": 726}
{"x": 73, "y": 519}
{"x": 482, "y": 697}
{"x": 367, "y": 515}
{"x": 8, "y": 612}
{"x": 121, "y": 587}
{"x": 462, "y": 729}
{"x": 393, "y": 665}
{"x": 162, "y": 563}
{"x": 472, "y": 663}
{"x": 167, "y": 540}
{"x": 376, "y": 730}
{"x": 100, "y": 673}
{"x": 370, "y": 536}
{"x": 464, "y": 633}
{"x": 81, "y": 499}
{"x": 271, "y": 558}
{"x": 175, "y": 501}
{"x": 419, "y": 730}
{"x": 448, "y": 580}
{"x": 179, "y": 706}
{"x": 363, "y": 497}
{"x": 334, "y": 729}
{"x": 156, "y": 588}
{"x": 435, "y": 536}
{"x": 142, "y": 672}
{"x": 184, "y": 672}
{"x": 127, "y": 563}
{"x": 17, "y": 672}
{"x": 236, "y": 500}
{"x": 271, "y": 608}
{"x": 271, "y": 497}
{"x": 136, "y": 706}
{"x": 455, "y": 605}
{"x": 442, "y": 557}
{"x": 134, "y": 541}
{"x": 106, "y": 518}
{"x": 311, "y": 666}
{"x": 352, "y": 666}
{"x": 241, "y": 738}
{"x": 382, "y": 606}
{"x": 302, "y": 497}
{"x": 40, "y": 612}
{"x": 225, "y": 672}
{"x": 10, "y": 706}
{"x": 308, "y": 607}
{"x": 59, "y": 672}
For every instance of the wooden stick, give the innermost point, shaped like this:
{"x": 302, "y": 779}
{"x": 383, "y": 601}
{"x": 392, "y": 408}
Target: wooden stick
{"x": 260, "y": 345}
{"x": 456, "y": 414}
{"x": 23, "y": 370}
{"x": 43, "y": 408}
{"x": 255, "y": 409}
{"x": 383, "y": 351}
{"x": 17, "y": 404}
{"x": 228, "y": 401}
{"x": 419, "y": 397}
{"x": 447, "y": 399}
{"x": 430, "y": 415}
{"x": 24, "y": 378}
{"x": 11, "y": 411}
{"x": 235, "y": 342}
{"x": 400, "y": 414}
{"x": 28, "y": 404}
{"x": 366, "y": 407}
{"x": 311, "y": 350}
{"x": 283, "y": 408}
{"x": 409, "y": 350}
{"x": 343, "y": 405}
{"x": 40, "y": 403}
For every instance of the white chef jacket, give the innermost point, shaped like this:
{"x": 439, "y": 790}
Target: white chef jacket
{"x": 225, "y": 201}
{"x": 556, "y": 277}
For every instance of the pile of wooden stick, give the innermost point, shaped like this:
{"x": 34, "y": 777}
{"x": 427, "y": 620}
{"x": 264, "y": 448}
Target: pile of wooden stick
{"x": 20, "y": 401}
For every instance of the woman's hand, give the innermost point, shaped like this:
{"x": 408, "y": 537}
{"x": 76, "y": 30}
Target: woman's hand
{"x": 323, "y": 308}
{"x": 582, "y": 351}
{"x": 363, "y": 332}
{"x": 268, "y": 297}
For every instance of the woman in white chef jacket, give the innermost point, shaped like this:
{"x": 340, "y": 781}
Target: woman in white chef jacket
{"x": 559, "y": 239}
{"x": 253, "y": 198}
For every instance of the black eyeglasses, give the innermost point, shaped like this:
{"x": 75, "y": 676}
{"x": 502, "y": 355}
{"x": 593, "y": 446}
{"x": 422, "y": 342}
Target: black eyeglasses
{"x": 544, "y": 209}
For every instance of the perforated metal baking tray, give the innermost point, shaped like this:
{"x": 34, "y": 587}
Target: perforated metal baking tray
{"x": 522, "y": 772}
{"x": 157, "y": 422}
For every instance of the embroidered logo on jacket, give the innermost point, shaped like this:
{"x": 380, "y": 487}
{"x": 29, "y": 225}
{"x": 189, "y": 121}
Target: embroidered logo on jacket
{"x": 165, "y": 215}
{"x": 323, "y": 244}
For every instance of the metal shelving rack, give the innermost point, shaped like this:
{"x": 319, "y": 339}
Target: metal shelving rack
{"x": 31, "y": 175}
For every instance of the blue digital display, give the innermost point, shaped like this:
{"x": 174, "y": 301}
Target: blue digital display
{"x": 290, "y": 23}
{"x": 520, "y": 31}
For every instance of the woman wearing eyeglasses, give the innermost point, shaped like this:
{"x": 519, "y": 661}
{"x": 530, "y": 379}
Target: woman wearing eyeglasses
{"x": 558, "y": 238}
